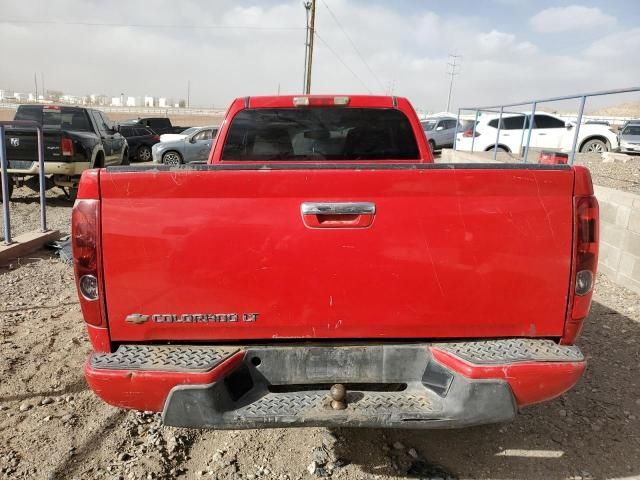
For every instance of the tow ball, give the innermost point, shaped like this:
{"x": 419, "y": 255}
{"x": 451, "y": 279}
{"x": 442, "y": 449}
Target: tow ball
{"x": 338, "y": 395}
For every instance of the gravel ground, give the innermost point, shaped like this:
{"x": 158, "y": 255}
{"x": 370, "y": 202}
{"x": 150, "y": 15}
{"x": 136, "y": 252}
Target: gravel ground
{"x": 25, "y": 211}
{"x": 52, "y": 426}
{"x": 623, "y": 176}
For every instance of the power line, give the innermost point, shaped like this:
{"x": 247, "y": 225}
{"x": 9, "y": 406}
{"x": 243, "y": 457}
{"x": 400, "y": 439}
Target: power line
{"x": 343, "y": 62}
{"x": 146, "y": 25}
{"x": 335, "y": 19}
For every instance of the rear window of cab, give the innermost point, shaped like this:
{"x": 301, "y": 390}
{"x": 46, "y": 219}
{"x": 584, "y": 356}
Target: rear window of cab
{"x": 66, "y": 118}
{"x": 320, "y": 133}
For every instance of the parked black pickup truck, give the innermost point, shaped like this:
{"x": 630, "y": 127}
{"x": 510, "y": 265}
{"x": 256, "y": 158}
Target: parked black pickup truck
{"x": 159, "y": 125}
{"x": 75, "y": 139}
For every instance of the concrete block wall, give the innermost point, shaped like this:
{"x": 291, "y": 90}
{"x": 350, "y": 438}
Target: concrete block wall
{"x": 619, "y": 236}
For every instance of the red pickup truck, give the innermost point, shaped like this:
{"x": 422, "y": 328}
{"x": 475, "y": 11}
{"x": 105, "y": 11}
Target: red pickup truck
{"x": 320, "y": 269}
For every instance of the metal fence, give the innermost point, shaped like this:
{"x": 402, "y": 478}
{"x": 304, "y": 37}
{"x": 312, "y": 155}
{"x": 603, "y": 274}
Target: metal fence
{"x": 500, "y": 110}
{"x": 4, "y": 170}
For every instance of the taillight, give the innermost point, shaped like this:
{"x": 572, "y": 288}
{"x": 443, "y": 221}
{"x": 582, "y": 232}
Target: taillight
{"x": 85, "y": 236}
{"x": 470, "y": 133}
{"x": 586, "y": 262}
{"x": 156, "y": 138}
{"x": 66, "y": 145}
{"x": 586, "y": 249}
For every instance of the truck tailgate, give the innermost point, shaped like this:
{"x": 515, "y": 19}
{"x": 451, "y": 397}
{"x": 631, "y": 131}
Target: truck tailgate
{"x": 225, "y": 254}
{"x": 22, "y": 146}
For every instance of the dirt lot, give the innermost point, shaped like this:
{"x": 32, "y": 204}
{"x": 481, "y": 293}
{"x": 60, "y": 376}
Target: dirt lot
{"x": 623, "y": 176}
{"x": 52, "y": 426}
{"x": 186, "y": 120}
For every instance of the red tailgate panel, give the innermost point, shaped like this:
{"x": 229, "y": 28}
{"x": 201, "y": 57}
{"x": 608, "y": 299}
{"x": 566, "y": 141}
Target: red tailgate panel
{"x": 450, "y": 253}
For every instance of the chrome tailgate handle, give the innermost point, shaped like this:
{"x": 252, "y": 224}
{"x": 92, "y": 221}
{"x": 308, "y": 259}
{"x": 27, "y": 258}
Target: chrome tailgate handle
{"x": 338, "y": 208}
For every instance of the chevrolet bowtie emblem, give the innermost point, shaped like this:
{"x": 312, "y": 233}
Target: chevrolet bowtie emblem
{"x": 137, "y": 318}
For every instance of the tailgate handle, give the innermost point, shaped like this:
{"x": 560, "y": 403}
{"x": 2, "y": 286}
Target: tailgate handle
{"x": 344, "y": 208}
{"x": 338, "y": 214}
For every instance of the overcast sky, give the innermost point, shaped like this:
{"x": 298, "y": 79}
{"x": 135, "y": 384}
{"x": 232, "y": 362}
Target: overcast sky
{"x": 511, "y": 49}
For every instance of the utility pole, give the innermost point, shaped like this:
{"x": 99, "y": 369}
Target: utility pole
{"x": 308, "y": 59}
{"x": 188, "y": 92}
{"x": 44, "y": 92}
{"x": 453, "y": 69}
{"x": 307, "y": 7}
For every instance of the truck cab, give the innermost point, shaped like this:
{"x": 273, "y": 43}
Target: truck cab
{"x": 159, "y": 125}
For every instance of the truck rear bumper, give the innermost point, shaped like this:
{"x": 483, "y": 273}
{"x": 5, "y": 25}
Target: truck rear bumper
{"x": 50, "y": 168}
{"x": 436, "y": 385}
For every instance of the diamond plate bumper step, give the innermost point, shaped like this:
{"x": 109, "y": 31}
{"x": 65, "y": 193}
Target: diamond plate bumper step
{"x": 302, "y": 403}
{"x": 487, "y": 352}
{"x": 174, "y": 358}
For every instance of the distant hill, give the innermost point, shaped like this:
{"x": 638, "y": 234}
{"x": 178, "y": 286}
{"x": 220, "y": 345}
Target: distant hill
{"x": 630, "y": 109}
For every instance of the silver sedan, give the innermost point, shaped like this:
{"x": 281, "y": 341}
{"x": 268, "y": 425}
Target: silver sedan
{"x": 440, "y": 131}
{"x": 192, "y": 145}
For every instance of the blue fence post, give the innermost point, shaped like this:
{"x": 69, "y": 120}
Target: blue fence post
{"x": 42, "y": 179}
{"x": 455, "y": 134}
{"x": 575, "y": 134}
{"x": 526, "y": 148}
{"x": 473, "y": 134}
{"x": 495, "y": 147}
{"x": 524, "y": 129}
{"x": 4, "y": 166}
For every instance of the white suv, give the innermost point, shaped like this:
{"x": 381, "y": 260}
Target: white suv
{"x": 549, "y": 132}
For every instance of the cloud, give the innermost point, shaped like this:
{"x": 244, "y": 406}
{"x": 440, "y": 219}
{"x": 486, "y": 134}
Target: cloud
{"x": 406, "y": 50}
{"x": 500, "y": 43}
{"x": 619, "y": 45}
{"x": 572, "y": 17}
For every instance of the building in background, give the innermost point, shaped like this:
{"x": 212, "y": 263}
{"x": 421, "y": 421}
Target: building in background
{"x": 55, "y": 95}
{"x": 72, "y": 99}
{"x": 93, "y": 99}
